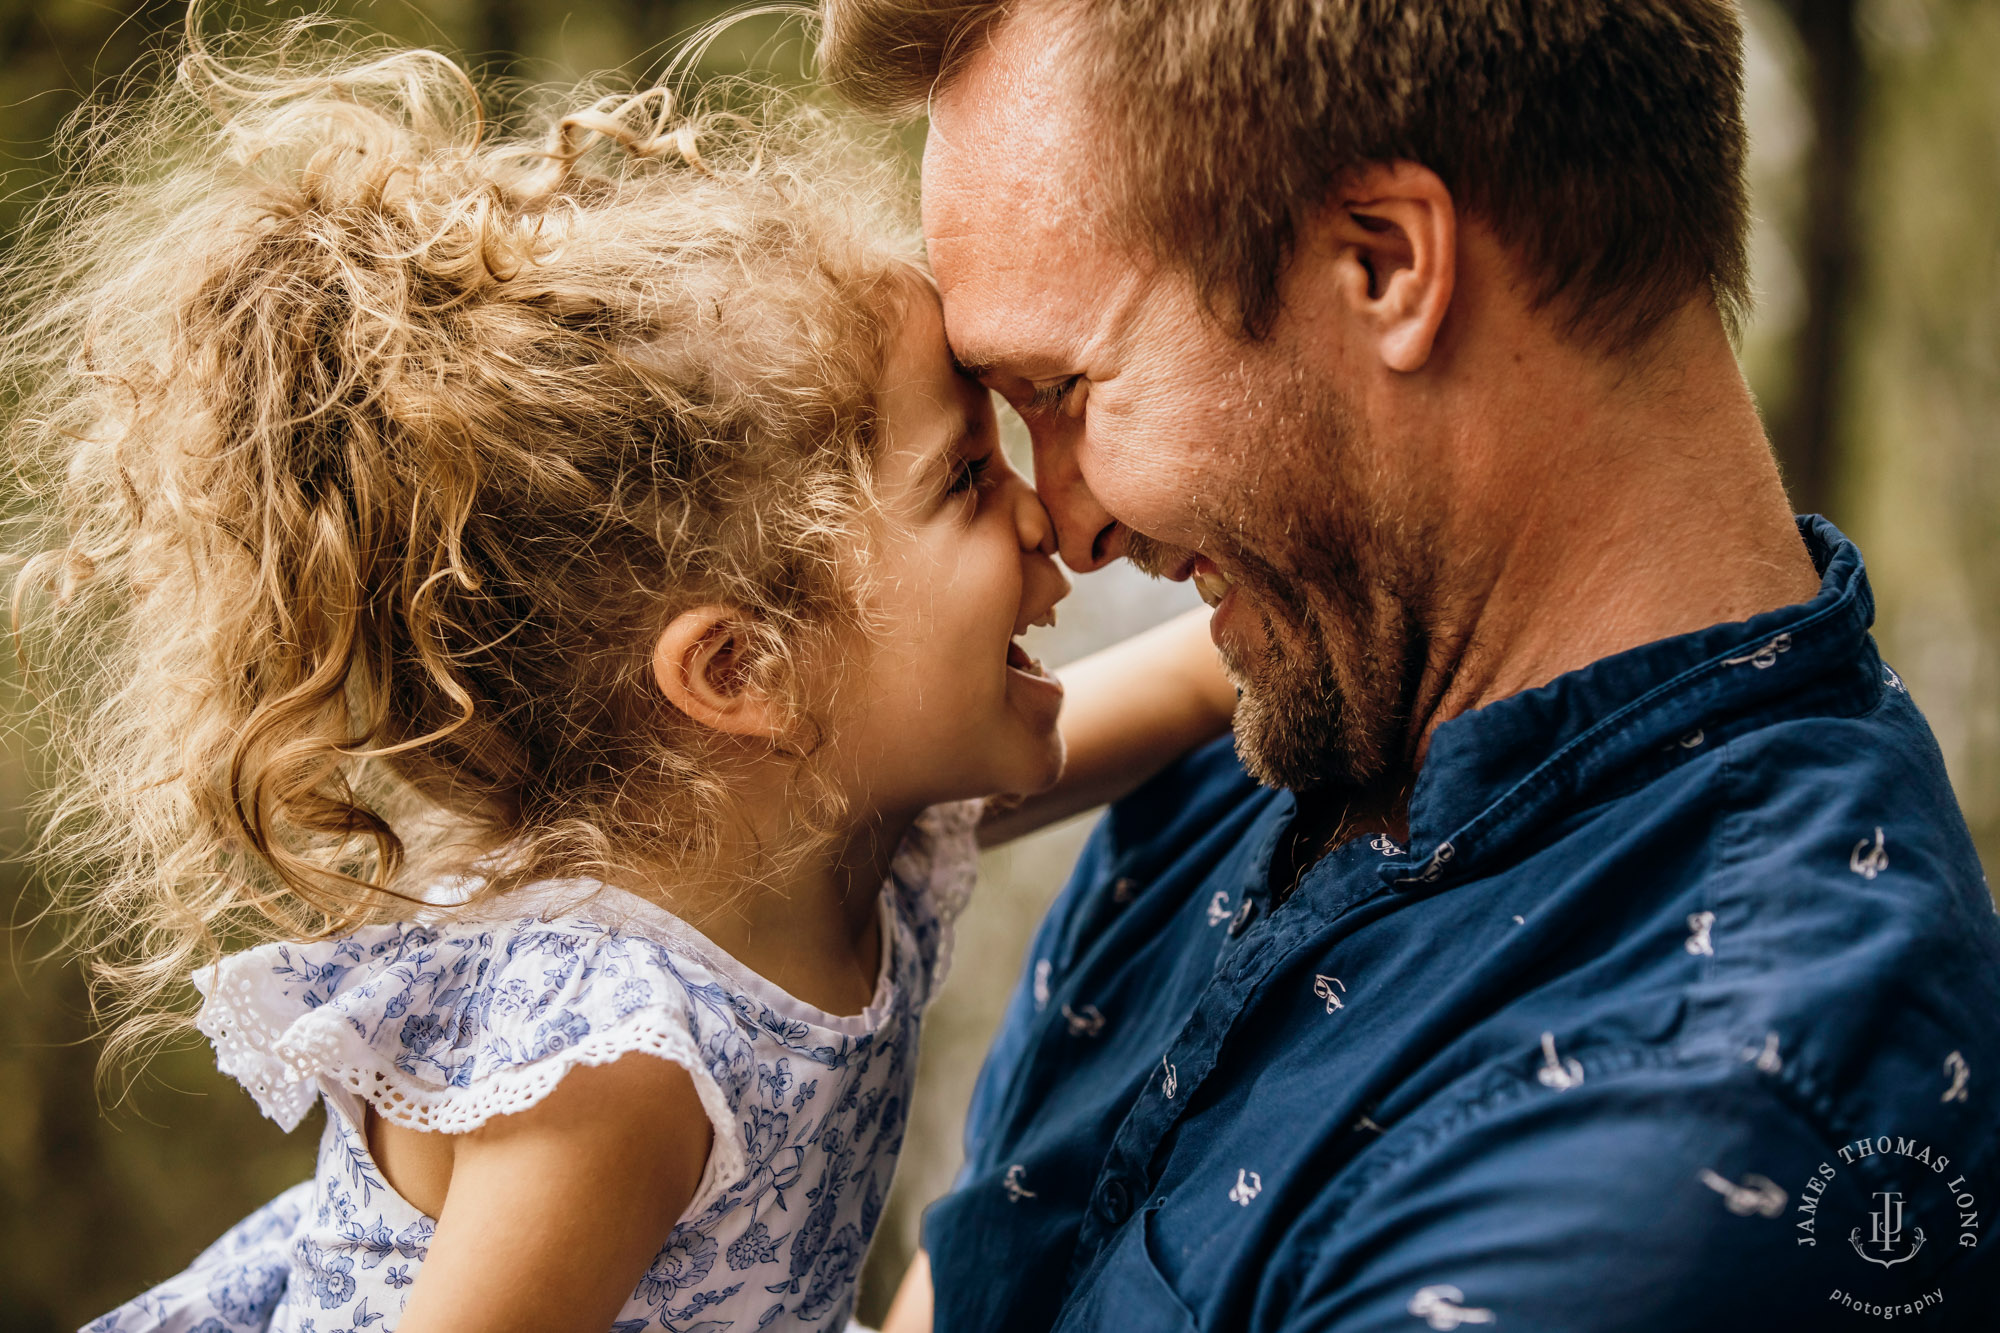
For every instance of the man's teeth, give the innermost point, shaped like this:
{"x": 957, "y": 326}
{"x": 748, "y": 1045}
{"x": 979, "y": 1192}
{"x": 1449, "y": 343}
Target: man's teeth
{"x": 1212, "y": 584}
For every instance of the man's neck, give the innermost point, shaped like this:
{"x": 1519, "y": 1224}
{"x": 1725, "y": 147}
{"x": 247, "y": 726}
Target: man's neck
{"x": 1607, "y": 510}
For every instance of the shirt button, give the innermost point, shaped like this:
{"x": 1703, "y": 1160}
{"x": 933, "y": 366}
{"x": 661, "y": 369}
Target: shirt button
{"x": 1123, "y": 888}
{"x": 1115, "y": 1201}
{"x": 1244, "y": 915}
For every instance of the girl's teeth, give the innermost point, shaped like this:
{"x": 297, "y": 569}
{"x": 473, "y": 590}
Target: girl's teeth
{"x": 1212, "y": 584}
{"x": 1017, "y": 657}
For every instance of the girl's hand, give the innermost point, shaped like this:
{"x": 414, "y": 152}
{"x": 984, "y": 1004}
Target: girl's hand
{"x": 1128, "y": 712}
{"x": 553, "y": 1215}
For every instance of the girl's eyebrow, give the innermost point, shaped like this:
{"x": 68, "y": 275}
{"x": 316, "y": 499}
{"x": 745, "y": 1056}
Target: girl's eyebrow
{"x": 937, "y": 463}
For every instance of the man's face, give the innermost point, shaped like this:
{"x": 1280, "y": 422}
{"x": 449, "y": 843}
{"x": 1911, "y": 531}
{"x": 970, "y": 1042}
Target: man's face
{"x": 1162, "y": 434}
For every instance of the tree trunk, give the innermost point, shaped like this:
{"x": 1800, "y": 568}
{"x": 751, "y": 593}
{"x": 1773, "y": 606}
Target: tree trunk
{"x": 1806, "y": 432}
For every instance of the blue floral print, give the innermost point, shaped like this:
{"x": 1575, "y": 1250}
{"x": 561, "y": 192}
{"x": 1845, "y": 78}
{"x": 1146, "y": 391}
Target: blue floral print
{"x": 445, "y": 1023}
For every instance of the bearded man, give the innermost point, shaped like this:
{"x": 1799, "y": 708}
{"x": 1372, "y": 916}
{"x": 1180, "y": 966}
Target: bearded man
{"x": 1583, "y": 933}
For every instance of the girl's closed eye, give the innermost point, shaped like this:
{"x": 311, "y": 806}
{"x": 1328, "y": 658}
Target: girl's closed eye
{"x": 968, "y": 473}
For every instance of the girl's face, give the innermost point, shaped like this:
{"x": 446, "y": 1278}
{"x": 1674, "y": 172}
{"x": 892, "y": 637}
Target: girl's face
{"x": 943, "y": 704}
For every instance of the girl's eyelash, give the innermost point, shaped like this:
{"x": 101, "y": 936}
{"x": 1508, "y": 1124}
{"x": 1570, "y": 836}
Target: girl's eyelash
{"x": 968, "y": 474}
{"x": 1052, "y": 396}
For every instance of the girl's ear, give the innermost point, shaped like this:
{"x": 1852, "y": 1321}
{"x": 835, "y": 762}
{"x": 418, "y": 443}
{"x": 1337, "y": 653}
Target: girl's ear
{"x": 701, "y": 664}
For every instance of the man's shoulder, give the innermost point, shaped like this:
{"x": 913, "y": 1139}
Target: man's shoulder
{"x": 1840, "y": 840}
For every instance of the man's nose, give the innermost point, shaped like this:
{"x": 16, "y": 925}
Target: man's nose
{"x": 1086, "y": 533}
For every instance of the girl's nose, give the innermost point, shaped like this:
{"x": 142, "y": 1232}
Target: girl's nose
{"x": 1031, "y": 519}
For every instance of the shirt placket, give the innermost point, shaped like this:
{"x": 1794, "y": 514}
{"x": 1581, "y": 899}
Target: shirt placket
{"x": 1260, "y": 940}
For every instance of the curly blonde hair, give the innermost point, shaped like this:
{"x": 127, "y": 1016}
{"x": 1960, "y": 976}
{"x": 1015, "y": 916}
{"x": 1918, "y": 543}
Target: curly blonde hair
{"x": 373, "y": 453}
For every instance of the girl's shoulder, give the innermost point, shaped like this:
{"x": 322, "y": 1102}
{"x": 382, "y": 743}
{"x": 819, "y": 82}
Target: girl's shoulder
{"x": 443, "y": 1023}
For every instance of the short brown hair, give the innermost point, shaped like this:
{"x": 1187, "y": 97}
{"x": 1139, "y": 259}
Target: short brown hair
{"x": 1602, "y": 140}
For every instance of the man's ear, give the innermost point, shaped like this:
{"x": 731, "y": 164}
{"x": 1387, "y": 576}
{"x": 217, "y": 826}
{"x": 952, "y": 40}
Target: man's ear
{"x": 1390, "y": 234}
{"x": 701, "y": 664}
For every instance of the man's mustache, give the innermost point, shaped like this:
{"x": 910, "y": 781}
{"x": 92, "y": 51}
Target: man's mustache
{"x": 1154, "y": 558}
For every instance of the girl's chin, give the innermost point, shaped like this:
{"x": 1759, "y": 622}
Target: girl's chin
{"x": 1032, "y": 769}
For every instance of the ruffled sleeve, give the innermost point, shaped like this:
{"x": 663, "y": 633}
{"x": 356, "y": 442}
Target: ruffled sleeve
{"x": 931, "y": 879}
{"x": 444, "y": 1026}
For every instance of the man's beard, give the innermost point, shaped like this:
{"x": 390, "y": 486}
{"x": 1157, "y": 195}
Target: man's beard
{"x": 1328, "y": 698}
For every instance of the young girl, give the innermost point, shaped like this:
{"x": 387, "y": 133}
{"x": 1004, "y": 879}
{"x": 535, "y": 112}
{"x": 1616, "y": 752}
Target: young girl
{"x": 549, "y": 606}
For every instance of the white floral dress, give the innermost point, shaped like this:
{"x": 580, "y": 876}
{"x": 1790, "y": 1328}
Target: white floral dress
{"x": 442, "y": 1025}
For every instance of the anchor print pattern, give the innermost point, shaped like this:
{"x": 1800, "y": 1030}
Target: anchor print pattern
{"x": 1866, "y": 861}
{"x": 1959, "y": 1073}
{"x": 1084, "y": 1022}
{"x": 1562, "y": 1075}
{"x": 1766, "y": 1060}
{"x": 1698, "y": 941}
{"x": 1765, "y": 657}
{"x": 1443, "y": 1308}
{"x": 1757, "y": 1196}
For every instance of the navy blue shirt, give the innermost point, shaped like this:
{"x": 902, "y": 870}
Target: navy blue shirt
{"x": 1678, "y": 1010}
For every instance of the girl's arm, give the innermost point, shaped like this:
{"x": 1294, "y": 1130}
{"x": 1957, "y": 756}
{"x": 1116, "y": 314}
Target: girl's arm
{"x": 1128, "y": 712}
{"x": 553, "y": 1215}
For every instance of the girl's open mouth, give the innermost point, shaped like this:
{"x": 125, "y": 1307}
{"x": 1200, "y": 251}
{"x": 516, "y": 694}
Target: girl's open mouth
{"x": 1018, "y": 659}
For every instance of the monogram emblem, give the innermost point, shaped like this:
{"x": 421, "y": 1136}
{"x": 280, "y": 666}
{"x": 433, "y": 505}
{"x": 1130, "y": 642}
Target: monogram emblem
{"x": 1247, "y": 1187}
{"x": 1324, "y": 988}
{"x": 1014, "y": 1184}
{"x": 1885, "y": 1233}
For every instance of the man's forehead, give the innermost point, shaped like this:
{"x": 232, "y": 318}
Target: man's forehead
{"x": 1014, "y": 98}
{"x": 1010, "y": 218}
{"x": 1009, "y": 155}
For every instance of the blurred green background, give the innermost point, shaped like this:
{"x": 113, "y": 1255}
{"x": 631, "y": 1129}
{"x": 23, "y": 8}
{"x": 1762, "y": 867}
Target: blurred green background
{"x": 1875, "y": 355}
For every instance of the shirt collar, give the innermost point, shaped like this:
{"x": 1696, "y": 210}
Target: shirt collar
{"x": 1497, "y": 774}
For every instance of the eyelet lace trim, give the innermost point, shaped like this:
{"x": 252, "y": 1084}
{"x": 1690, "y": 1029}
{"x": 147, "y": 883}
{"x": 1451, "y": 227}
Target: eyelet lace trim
{"x": 941, "y": 863}
{"x": 285, "y": 1066}
{"x": 284, "y": 1057}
